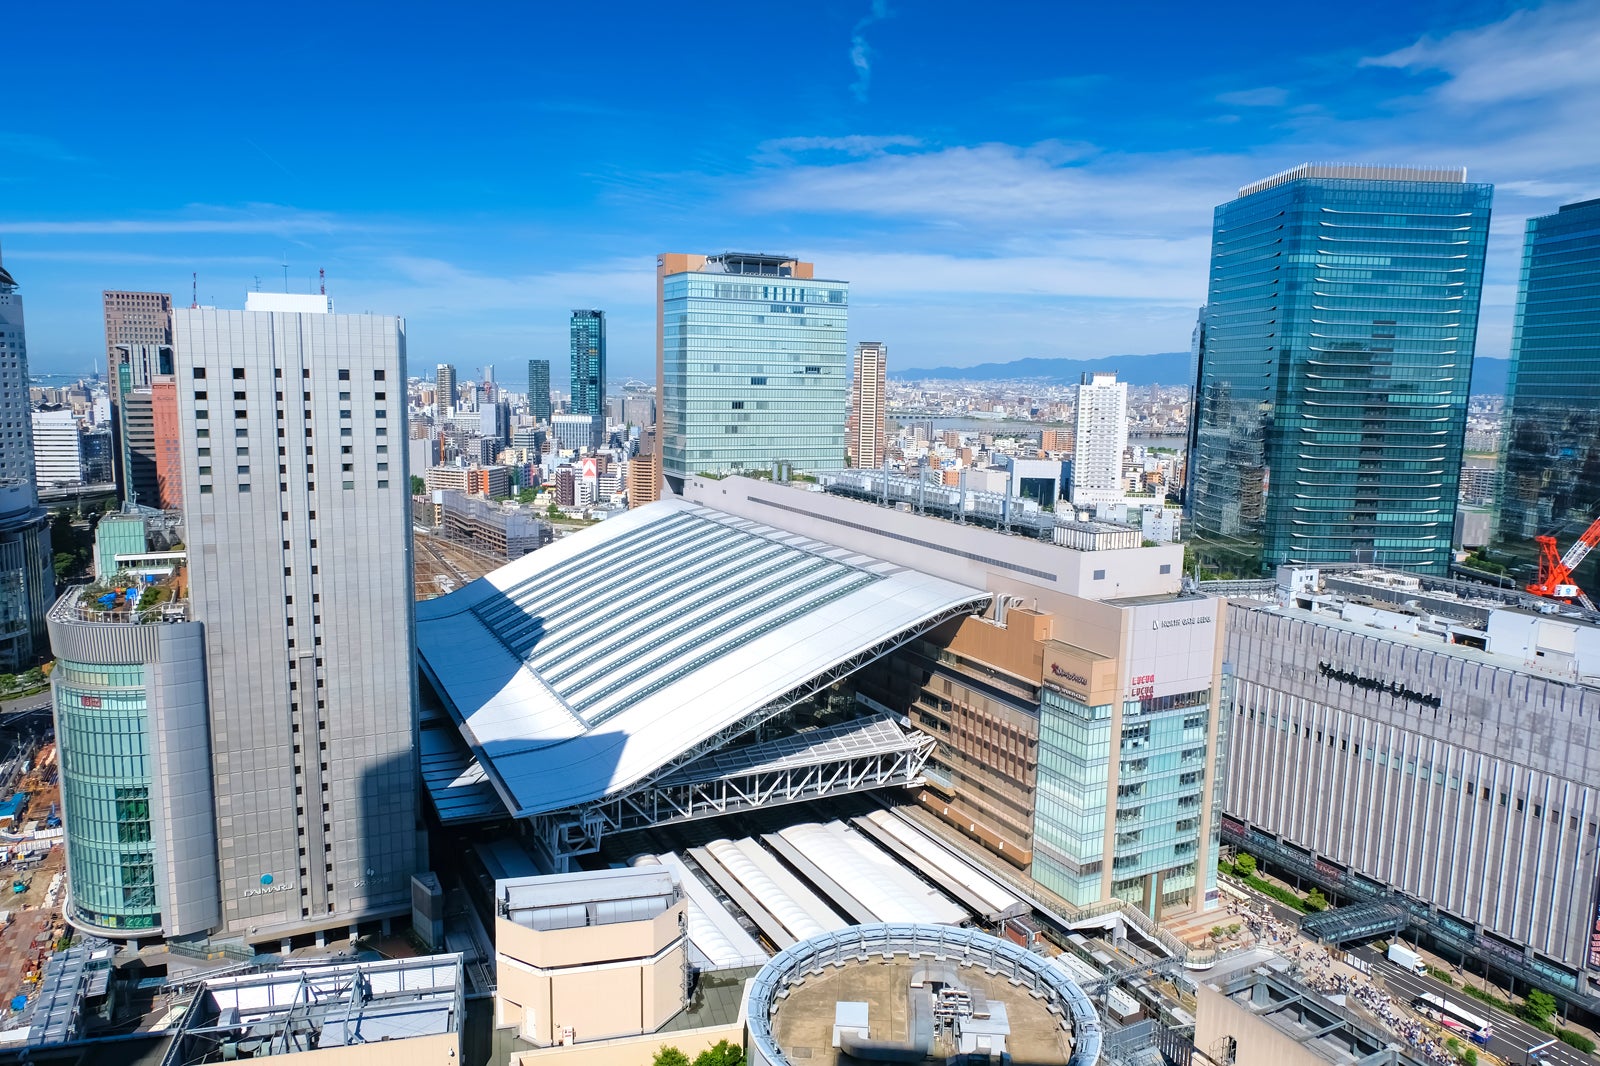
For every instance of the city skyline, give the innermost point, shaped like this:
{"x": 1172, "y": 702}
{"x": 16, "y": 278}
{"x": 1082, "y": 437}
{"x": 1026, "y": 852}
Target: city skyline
{"x": 1068, "y": 199}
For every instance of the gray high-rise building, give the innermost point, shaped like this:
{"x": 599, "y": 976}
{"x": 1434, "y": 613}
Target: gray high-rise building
{"x": 539, "y": 389}
{"x": 296, "y": 496}
{"x": 444, "y": 389}
{"x": 752, "y": 365}
{"x": 589, "y": 369}
{"x": 1334, "y": 364}
{"x": 138, "y": 332}
{"x": 27, "y": 578}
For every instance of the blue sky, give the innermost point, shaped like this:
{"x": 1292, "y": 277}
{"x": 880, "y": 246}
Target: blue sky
{"x": 996, "y": 181}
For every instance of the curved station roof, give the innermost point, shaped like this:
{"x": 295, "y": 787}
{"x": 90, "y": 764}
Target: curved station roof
{"x": 590, "y": 665}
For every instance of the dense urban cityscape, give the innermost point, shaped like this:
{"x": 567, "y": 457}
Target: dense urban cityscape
{"x": 373, "y": 700}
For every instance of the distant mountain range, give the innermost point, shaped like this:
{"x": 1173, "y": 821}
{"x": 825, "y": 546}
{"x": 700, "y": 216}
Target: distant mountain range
{"x": 1162, "y": 368}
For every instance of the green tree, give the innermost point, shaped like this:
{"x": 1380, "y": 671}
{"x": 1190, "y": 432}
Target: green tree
{"x": 1316, "y": 900}
{"x": 1245, "y": 864}
{"x": 35, "y": 676}
{"x": 721, "y": 1053}
{"x": 418, "y": 486}
{"x": 8, "y": 681}
{"x": 669, "y": 1056}
{"x": 527, "y": 495}
{"x": 65, "y": 564}
{"x": 1538, "y": 1007}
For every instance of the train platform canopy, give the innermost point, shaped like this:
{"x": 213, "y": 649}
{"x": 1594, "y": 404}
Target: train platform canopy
{"x": 590, "y": 666}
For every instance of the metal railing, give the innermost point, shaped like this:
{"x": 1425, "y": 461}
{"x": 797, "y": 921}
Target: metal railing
{"x": 71, "y": 607}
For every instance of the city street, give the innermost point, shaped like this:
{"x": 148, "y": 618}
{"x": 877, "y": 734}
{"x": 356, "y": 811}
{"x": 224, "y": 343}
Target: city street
{"x": 1512, "y": 1036}
{"x": 37, "y": 701}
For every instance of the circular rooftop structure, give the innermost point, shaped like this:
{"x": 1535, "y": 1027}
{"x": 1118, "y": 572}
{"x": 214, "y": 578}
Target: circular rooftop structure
{"x": 899, "y": 993}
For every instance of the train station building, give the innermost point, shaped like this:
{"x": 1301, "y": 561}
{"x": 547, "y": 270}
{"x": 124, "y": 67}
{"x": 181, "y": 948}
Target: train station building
{"x": 752, "y": 643}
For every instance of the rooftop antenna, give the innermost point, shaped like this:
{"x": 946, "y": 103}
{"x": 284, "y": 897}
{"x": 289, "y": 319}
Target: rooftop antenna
{"x": 285, "y": 271}
{"x": 194, "y": 290}
{"x": 258, "y": 282}
{"x": 322, "y": 281}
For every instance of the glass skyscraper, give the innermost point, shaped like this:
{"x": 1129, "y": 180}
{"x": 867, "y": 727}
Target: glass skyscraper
{"x": 1552, "y": 426}
{"x": 589, "y": 369}
{"x": 539, "y": 390}
{"x": 752, "y": 366}
{"x": 1335, "y": 360}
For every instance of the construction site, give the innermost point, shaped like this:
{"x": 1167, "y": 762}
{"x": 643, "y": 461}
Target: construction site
{"x": 33, "y": 870}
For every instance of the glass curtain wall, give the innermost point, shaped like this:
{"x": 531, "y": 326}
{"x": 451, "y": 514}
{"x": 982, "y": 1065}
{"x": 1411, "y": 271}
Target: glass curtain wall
{"x": 104, "y": 746}
{"x": 1335, "y": 361}
{"x": 1551, "y": 463}
{"x": 756, "y": 371}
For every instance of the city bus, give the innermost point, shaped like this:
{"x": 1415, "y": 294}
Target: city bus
{"x": 1454, "y": 1017}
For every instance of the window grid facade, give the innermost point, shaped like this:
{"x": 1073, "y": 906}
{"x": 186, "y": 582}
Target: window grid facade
{"x": 539, "y": 390}
{"x": 589, "y": 371}
{"x": 1149, "y": 811}
{"x": 105, "y": 790}
{"x": 1552, "y": 437}
{"x": 1335, "y": 358}
{"x": 755, "y": 370}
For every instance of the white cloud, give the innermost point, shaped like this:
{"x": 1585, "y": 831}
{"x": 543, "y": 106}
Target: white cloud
{"x": 861, "y": 52}
{"x": 855, "y": 144}
{"x": 1266, "y": 96}
{"x": 1007, "y": 190}
{"x": 252, "y": 218}
{"x": 1528, "y": 55}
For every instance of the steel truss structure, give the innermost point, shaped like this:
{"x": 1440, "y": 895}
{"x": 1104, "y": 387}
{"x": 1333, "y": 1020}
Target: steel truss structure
{"x": 853, "y": 758}
{"x": 708, "y": 779}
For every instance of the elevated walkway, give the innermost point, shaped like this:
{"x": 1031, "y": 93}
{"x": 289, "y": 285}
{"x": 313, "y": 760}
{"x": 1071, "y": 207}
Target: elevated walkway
{"x": 1358, "y": 921}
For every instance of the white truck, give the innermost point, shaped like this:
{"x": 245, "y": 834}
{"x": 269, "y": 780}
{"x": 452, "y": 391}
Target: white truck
{"x": 1407, "y": 959}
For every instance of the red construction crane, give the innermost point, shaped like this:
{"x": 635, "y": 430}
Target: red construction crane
{"x": 1555, "y": 571}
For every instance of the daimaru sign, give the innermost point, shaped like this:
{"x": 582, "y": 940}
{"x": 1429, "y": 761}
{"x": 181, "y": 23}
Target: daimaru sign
{"x": 1079, "y": 675}
{"x": 1062, "y": 673}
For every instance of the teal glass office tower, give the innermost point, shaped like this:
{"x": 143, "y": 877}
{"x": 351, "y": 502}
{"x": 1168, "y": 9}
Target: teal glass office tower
{"x": 752, "y": 365}
{"x": 1334, "y": 364}
{"x": 1551, "y": 443}
{"x": 539, "y": 390}
{"x": 589, "y": 369}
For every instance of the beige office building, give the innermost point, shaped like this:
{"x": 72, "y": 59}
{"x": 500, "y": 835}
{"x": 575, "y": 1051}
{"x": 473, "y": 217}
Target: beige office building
{"x": 1078, "y": 720}
{"x": 590, "y": 956}
{"x": 868, "y": 432}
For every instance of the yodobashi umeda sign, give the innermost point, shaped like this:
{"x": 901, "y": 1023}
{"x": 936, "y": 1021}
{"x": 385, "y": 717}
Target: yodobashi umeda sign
{"x": 1079, "y": 675}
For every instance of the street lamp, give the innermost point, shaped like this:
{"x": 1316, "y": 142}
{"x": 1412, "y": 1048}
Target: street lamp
{"x": 1535, "y": 1051}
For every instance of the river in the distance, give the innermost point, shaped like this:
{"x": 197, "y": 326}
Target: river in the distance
{"x": 1014, "y": 427}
